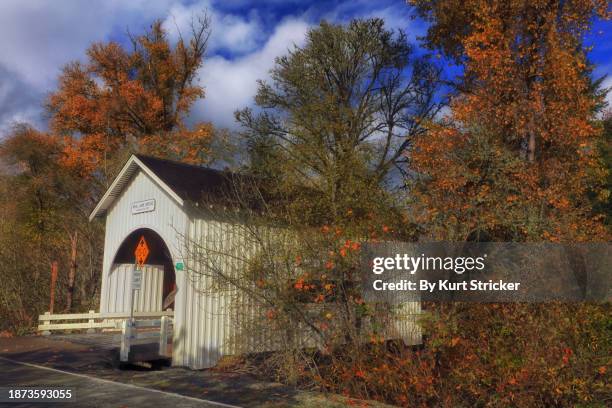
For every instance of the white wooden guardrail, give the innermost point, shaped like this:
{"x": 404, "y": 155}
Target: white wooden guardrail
{"x": 144, "y": 329}
{"x": 91, "y": 321}
{"x": 156, "y": 328}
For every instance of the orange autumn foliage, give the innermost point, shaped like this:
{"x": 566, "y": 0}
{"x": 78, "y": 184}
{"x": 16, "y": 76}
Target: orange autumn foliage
{"x": 133, "y": 100}
{"x": 517, "y": 156}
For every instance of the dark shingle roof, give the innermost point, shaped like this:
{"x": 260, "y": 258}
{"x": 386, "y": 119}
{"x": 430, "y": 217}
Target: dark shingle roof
{"x": 190, "y": 182}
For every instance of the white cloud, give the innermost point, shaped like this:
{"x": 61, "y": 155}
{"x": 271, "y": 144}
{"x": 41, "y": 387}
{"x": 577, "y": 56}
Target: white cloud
{"x": 18, "y": 102}
{"x": 607, "y": 83}
{"x": 238, "y": 34}
{"x": 238, "y": 55}
{"x": 39, "y": 36}
{"x": 231, "y": 84}
{"x": 604, "y": 70}
{"x": 230, "y": 33}
{"x": 396, "y": 16}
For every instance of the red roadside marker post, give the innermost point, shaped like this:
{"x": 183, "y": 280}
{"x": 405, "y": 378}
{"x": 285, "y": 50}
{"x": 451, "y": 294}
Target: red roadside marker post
{"x": 52, "y": 286}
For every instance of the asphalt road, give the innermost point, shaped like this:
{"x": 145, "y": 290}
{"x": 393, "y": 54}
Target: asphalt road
{"x": 90, "y": 392}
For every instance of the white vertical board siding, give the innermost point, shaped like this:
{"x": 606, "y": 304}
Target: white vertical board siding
{"x": 168, "y": 220}
{"x": 218, "y": 322}
{"x": 406, "y": 325}
{"x": 147, "y": 299}
{"x": 208, "y": 311}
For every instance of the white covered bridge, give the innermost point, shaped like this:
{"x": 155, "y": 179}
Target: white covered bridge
{"x": 160, "y": 201}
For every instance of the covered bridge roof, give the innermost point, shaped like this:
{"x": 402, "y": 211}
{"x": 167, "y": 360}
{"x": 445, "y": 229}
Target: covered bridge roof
{"x": 183, "y": 182}
{"x": 188, "y": 181}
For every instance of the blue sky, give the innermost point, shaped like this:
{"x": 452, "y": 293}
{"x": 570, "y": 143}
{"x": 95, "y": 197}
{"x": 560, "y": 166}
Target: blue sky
{"x": 38, "y": 37}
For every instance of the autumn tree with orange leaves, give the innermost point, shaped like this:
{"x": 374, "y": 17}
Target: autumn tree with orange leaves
{"x": 517, "y": 156}
{"x": 133, "y": 99}
{"x": 516, "y": 159}
{"x": 123, "y": 99}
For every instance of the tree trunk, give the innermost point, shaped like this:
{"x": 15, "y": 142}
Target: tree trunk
{"x": 52, "y": 286}
{"x": 531, "y": 147}
{"x": 72, "y": 270}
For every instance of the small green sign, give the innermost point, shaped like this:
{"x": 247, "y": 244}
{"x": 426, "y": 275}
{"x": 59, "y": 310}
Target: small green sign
{"x": 179, "y": 266}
